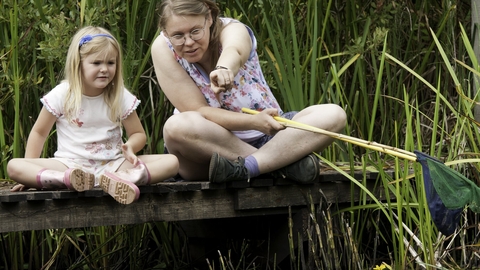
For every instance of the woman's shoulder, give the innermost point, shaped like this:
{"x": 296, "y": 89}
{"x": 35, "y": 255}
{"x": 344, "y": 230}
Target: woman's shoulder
{"x": 161, "y": 49}
{"x": 239, "y": 26}
{"x": 160, "y": 42}
{"x": 227, "y": 20}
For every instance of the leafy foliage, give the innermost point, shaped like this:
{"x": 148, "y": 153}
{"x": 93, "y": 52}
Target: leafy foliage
{"x": 402, "y": 70}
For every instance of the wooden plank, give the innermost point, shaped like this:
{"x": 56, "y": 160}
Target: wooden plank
{"x": 39, "y": 195}
{"x": 36, "y": 195}
{"x": 169, "y": 201}
{"x": 61, "y": 194}
{"x": 13, "y": 196}
{"x": 254, "y": 182}
{"x": 294, "y": 195}
{"x": 104, "y": 211}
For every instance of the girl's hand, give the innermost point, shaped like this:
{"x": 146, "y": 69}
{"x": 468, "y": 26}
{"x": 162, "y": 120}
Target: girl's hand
{"x": 266, "y": 123}
{"x": 18, "y": 187}
{"x": 129, "y": 154}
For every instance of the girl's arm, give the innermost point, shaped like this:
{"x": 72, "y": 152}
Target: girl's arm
{"x": 136, "y": 137}
{"x": 39, "y": 133}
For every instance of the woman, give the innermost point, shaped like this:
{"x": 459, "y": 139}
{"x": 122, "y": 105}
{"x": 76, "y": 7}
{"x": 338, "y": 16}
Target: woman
{"x": 208, "y": 68}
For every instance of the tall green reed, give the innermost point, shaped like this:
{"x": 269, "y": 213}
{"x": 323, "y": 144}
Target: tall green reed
{"x": 395, "y": 78}
{"x": 5, "y": 149}
{"x": 15, "y": 74}
{"x": 33, "y": 53}
{"x": 392, "y": 105}
{"x": 142, "y": 246}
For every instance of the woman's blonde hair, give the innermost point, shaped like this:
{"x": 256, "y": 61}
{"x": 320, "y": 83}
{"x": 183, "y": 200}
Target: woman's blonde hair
{"x": 92, "y": 40}
{"x": 167, "y": 8}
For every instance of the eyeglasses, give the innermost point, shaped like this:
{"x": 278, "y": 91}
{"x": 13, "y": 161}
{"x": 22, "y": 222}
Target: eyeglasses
{"x": 195, "y": 34}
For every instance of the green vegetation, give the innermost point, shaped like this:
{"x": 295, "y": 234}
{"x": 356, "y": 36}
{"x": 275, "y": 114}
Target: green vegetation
{"x": 403, "y": 70}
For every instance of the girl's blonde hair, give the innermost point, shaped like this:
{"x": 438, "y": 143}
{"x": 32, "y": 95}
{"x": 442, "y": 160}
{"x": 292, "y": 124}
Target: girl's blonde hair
{"x": 167, "y": 8}
{"x": 83, "y": 44}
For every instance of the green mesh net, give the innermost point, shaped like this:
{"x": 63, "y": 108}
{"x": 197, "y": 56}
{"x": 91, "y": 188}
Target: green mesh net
{"x": 454, "y": 189}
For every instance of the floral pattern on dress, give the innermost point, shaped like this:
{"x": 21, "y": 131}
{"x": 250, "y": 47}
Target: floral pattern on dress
{"x": 77, "y": 122}
{"x": 93, "y": 148}
{"x": 114, "y": 144}
{"x": 250, "y": 88}
{"x": 109, "y": 148}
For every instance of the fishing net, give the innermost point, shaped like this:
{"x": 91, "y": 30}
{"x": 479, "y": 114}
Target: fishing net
{"x": 448, "y": 192}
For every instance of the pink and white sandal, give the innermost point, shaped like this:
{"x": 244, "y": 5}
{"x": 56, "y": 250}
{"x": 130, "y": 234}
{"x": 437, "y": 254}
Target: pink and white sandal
{"x": 122, "y": 191}
{"x": 78, "y": 180}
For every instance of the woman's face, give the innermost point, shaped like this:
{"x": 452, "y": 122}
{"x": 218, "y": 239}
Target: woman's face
{"x": 193, "y": 32}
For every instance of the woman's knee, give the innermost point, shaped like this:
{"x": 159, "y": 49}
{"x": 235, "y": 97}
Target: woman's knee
{"x": 339, "y": 115}
{"x": 330, "y": 116}
{"x": 183, "y": 125}
{"x": 179, "y": 123}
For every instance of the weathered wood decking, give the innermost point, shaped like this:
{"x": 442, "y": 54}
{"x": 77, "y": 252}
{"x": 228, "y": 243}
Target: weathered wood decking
{"x": 171, "y": 201}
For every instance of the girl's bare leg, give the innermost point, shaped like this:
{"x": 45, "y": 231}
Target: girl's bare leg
{"x": 47, "y": 173}
{"x": 123, "y": 184}
{"x": 156, "y": 167}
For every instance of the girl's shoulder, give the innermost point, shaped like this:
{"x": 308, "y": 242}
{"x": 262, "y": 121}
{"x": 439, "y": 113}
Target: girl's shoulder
{"x": 130, "y": 103}
{"x": 55, "y": 99}
{"x": 59, "y": 91}
{"x": 62, "y": 87}
{"x": 128, "y": 93}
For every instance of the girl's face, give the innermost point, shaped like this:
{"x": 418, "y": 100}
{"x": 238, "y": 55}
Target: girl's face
{"x": 98, "y": 70}
{"x": 193, "y": 31}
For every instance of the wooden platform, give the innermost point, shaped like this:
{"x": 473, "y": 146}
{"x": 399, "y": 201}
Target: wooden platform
{"x": 172, "y": 201}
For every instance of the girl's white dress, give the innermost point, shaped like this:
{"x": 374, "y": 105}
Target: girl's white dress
{"x": 91, "y": 141}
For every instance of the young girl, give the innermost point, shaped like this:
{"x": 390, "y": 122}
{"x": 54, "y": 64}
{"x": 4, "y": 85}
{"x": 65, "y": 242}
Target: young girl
{"x": 89, "y": 108}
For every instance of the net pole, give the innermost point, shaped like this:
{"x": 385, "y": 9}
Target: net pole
{"x": 363, "y": 143}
